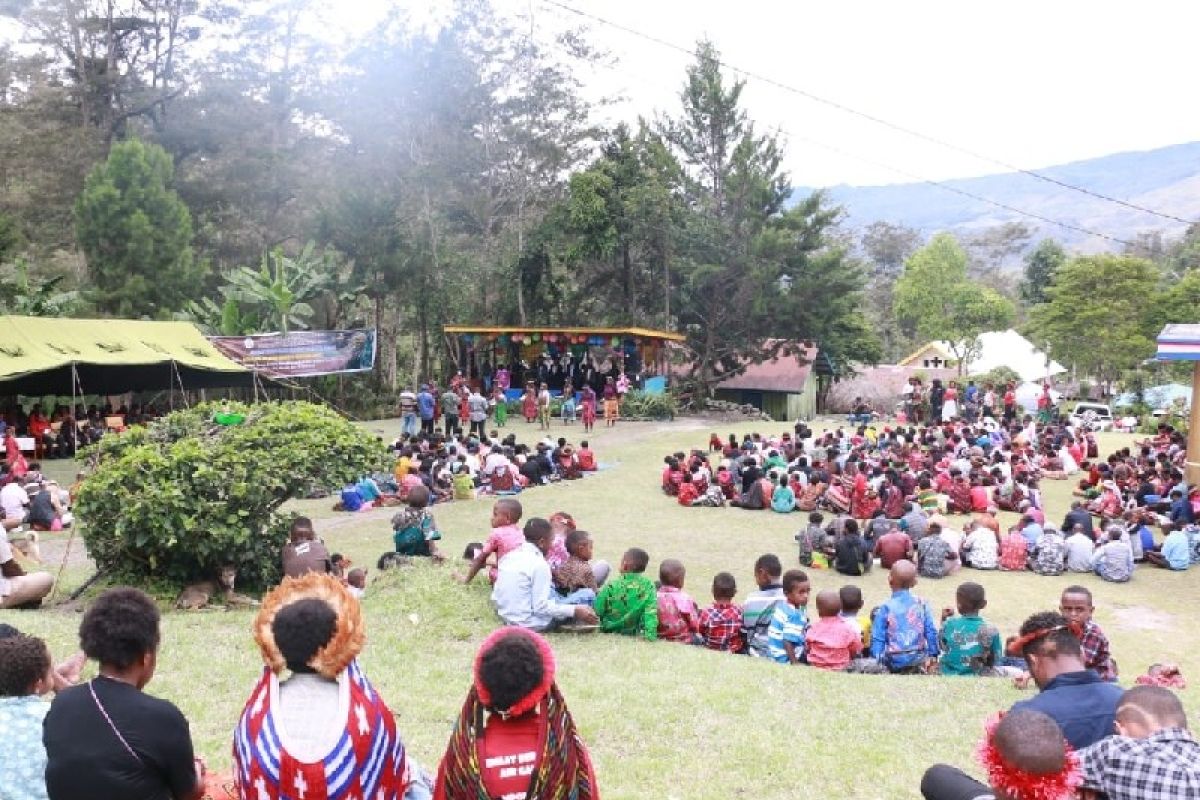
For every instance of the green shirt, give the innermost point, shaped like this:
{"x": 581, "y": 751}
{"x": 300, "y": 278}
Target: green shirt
{"x": 629, "y": 605}
{"x": 969, "y": 644}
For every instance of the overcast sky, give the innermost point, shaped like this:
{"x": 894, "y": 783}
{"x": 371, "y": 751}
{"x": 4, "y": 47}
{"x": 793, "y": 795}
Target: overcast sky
{"x": 1032, "y": 83}
{"x": 1027, "y": 82}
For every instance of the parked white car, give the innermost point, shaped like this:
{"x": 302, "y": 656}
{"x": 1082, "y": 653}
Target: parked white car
{"x": 1093, "y": 416}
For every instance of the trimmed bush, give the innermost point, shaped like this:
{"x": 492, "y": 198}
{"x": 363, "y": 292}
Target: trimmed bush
{"x": 174, "y": 500}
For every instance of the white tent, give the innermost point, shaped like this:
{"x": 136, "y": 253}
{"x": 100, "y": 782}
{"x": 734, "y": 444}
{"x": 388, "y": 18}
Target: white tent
{"x": 1011, "y": 349}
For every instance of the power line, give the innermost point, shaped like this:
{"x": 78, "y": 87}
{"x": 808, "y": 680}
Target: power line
{"x": 872, "y": 118}
{"x": 902, "y": 172}
{"x": 947, "y": 187}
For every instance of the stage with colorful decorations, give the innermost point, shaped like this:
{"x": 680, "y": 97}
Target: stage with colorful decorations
{"x": 557, "y": 354}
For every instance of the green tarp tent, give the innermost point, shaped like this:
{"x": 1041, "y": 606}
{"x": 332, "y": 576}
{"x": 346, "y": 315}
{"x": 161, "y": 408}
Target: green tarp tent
{"x": 43, "y": 355}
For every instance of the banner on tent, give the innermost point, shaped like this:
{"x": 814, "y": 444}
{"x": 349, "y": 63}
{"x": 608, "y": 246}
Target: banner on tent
{"x": 297, "y": 354}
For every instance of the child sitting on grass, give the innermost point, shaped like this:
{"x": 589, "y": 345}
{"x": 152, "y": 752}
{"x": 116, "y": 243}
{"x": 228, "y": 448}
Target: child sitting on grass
{"x": 587, "y": 457}
{"x": 1153, "y": 754}
{"x": 24, "y": 678}
{"x": 789, "y": 621}
{"x": 851, "y": 614}
{"x": 687, "y": 493}
{"x": 970, "y": 645}
{"x": 760, "y": 605}
{"x": 561, "y": 524}
{"x": 505, "y": 537}
{"x": 720, "y": 624}
{"x": 830, "y": 643}
{"x": 1024, "y": 756}
{"x": 677, "y": 615}
{"x": 356, "y": 582}
{"x": 629, "y": 605}
{"x": 812, "y": 539}
{"x": 783, "y": 499}
{"x": 414, "y": 530}
{"x": 575, "y": 580}
{"x": 1076, "y": 605}
{"x": 304, "y": 552}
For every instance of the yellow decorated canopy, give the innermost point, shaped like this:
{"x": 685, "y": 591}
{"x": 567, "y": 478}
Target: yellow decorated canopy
{"x": 39, "y": 354}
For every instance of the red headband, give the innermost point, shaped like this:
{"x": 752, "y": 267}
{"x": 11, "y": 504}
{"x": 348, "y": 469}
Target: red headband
{"x": 529, "y": 701}
{"x": 1018, "y": 645}
{"x": 1018, "y": 784}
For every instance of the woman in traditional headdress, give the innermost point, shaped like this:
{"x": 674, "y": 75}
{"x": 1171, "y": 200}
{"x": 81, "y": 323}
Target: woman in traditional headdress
{"x": 323, "y": 731}
{"x": 515, "y": 736}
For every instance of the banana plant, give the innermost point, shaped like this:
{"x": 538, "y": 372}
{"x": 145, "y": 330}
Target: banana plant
{"x": 282, "y": 288}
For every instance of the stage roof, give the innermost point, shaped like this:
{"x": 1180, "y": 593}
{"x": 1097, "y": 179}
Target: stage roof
{"x": 38, "y": 354}
{"x": 639, "y": 333}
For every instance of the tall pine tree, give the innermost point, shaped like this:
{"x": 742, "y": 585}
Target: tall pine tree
{"x": 136, "y": 234}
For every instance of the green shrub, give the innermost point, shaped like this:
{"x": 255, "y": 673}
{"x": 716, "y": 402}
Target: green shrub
{"x": 175, "y": 500}
{"x": 641, "y": 405}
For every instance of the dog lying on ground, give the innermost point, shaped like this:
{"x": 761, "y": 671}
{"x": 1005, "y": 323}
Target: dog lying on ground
{"x": 210, "y": 593}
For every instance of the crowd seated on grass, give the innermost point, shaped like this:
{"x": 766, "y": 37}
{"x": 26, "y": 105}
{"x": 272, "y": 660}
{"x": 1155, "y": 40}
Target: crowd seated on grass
{"x": 921, "y": 481}
{"x": 465, "y": 467}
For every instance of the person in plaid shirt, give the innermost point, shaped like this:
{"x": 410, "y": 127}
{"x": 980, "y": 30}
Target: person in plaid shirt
{"x": 721, "y": 623}
{"x": 1076, "y": 605}
{"x": 578, "y": 579}
{"x": 1152, "y": 757}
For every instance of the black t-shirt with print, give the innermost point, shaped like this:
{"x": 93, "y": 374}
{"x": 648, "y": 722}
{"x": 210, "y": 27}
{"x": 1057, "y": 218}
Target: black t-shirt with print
{"x": 87, "y": 761}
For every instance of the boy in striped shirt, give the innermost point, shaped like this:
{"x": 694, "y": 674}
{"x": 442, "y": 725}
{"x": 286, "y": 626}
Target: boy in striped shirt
{"x": 760, "y": 605}
{"x": 789, "y": 621}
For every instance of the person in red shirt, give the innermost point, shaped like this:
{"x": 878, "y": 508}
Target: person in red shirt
{"x": 587, "y": 457}
{"x": 893, "y": 546}
{"x": 515, "y": 737}
{"x": 830, "y": 642}
{"x": 687, "y": 490}
{"x": 1010, "y": 404}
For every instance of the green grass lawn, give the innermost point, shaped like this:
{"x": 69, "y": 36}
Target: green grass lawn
{"x": 662, "y": 720}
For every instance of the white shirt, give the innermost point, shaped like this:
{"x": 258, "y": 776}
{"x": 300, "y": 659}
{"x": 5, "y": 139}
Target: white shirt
{"x": 523, "y": 594}
{"x": 983, "y": 552}
{"x": 1079, "y": 553}
{"x": 13, "y": 500}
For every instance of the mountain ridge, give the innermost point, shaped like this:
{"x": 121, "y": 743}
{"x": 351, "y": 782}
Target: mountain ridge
{"x": 1165, "y": 179}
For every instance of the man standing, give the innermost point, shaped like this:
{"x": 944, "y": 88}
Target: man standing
{"x": 477, "y": 407}
{"x": 425, "y": 408}
{"x": 408, "y": 413}
{"x": 450, "y": 412}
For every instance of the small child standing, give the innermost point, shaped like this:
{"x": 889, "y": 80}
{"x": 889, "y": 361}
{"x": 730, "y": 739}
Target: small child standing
{"x": 414, "y": 530}
{"x": 831, "y": 643}
{"x": 677, "y": 614}
{"x": 970, "y": 646}
{"x": 505, "y": 537}
{"x": 1076, "y": 605}
{"x": 629, "y": 604}
{"x": 720, "y": 624}
{"x": 789, "y": 621}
